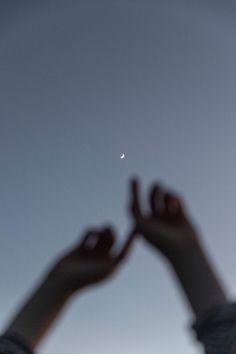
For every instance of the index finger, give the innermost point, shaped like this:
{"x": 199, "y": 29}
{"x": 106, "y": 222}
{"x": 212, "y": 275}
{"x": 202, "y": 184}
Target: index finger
{"x": 127, "y": 246}
{"x": 135, "y": 200}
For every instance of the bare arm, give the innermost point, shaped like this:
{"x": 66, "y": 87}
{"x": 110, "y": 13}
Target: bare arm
{"x": 88, "y": 263}
{"x": 167, "y": 227}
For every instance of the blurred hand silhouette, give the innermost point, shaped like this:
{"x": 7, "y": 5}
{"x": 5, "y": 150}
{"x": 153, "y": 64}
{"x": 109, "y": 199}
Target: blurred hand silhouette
{"x": 91, "y": 261}
{"x": 166, "y": 225}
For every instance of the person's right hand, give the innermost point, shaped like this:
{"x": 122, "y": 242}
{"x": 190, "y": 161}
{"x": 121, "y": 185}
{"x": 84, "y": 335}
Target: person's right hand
{"x": 166, "y": 225}
{"x": 92, "y": 260}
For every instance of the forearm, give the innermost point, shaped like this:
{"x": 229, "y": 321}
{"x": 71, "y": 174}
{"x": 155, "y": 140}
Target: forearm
{"x": 198, "y": 280}
{"x": 38, "y": 314}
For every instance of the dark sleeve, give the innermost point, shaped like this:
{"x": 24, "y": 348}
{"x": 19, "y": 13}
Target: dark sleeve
{"x": 13, "y": 344}
{"x": 216, "y": 329}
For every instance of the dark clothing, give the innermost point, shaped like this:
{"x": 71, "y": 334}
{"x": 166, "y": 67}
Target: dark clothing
{"x": 13, "y": 344}
{"x": 216, "y": 329}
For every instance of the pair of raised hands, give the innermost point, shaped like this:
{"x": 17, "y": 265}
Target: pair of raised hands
{"x": 165, "y": 226}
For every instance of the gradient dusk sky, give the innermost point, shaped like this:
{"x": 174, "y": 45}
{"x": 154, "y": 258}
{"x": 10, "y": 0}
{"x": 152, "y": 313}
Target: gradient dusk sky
{"x": 82, "y": 82}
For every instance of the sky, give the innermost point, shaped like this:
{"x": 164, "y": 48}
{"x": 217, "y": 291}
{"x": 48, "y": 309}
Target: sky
{"x": 82, "y": 82}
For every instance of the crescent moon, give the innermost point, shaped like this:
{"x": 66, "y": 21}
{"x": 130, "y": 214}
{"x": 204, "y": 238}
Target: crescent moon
{"x": 122, "y": 156}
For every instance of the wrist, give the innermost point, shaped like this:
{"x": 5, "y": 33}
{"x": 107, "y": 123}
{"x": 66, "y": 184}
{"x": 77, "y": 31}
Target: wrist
{"x": 198, "y": 279}
{"x": 187, "y": 252}
{"x": 40, "y": 310}
{"x": 57, "y": 285}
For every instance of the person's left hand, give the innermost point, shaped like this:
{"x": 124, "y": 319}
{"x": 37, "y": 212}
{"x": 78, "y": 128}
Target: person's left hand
{"x": 91, "y": 261}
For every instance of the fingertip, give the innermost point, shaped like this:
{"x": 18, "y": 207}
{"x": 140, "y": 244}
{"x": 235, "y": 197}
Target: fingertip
{"x": 155, "y": 199}
{"x": 89, "y": 237}
{"x": 89, "y": 232}
{"x": 108, "y": 229}
{"x": 134, "y": 178}
{"x": 134, "y": 185}
{"x": 134, "y": 207}
{"x": 155, "y": 190}
{"x": 173, "y": 203}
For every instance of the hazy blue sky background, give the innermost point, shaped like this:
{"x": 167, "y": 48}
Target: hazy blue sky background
{"x": 82, "y": 82}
